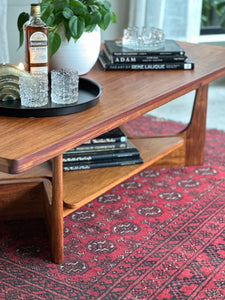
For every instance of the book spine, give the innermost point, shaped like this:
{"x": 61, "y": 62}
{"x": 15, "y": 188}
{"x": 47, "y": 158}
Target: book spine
{"x": 107, "y": 140}
{"x": 100, "y": 156}
{"x": 147, "y": 66}
{"x": 142, "y": 59}
{"x": 103, "y": 146}
{"x": 104, "y": 164}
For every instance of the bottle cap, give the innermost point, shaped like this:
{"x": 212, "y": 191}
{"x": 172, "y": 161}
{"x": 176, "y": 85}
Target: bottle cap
{"x": 35, "y": 10}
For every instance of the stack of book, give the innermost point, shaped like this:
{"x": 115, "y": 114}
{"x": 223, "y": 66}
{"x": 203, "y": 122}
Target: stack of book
{"x": 114, "y": 56}
{"x": 107, "y": 150}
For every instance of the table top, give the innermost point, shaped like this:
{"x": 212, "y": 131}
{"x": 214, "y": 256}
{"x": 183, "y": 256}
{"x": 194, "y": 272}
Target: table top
{"x": 27, "y": 142}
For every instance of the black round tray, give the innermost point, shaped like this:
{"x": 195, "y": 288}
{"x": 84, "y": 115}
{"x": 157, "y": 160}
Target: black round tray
{"x": 88, "y": 96}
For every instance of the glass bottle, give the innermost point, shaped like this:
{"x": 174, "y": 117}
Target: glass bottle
{"x": 36, "y": 43}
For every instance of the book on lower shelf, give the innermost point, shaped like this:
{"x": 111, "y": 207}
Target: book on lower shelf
{"x": 72, "y": 166}
{"x": 100, "y": 146}
{"x": 89, "y": 155}
{"x": 112, "y": 136}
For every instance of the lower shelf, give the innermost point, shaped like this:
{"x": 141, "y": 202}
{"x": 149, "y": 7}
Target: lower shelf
{"x": 80, "y": 187}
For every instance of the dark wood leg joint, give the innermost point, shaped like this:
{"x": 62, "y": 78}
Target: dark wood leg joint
{"x": 54, "y": 212}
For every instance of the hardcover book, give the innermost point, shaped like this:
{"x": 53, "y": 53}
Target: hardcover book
{"x": 112, "y": 136}
{"x": 100, "y": 146}
{"x": 142, "y": 58}
{"x": 81, "y": 156}
{"x": 115, "y": 48}
{"x": 72, "y": 166}
{"x": 179, "y": 65}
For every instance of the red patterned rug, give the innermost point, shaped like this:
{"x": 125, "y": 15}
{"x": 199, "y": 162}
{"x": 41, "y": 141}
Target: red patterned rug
{"x": 159, "y": 235}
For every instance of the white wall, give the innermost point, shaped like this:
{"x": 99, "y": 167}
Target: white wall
{"x": 121, "y": 8}
{"x": 15, "y": 7}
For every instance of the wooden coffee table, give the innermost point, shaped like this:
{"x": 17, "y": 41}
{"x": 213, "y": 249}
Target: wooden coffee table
{"x": 32, "y": 180}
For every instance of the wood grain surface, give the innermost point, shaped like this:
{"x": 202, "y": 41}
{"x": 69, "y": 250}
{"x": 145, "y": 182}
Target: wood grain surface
{"x": 27, "y": 142}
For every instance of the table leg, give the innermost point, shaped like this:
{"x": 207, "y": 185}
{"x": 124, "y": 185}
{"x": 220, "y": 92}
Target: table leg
{"x": 192, "y": 153}
{"x": 54, "y": 211}
{"x": 194, "y": 133}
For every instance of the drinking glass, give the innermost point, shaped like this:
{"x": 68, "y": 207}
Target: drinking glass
{"x": 64, "y": 86}
{"x": 130, "y": 37}
{"x": 33, "y": 90}
{"x": 148, "y": 38}
{"x": 158, "y": 36}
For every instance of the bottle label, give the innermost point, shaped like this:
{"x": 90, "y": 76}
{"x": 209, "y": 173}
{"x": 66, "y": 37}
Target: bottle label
{"x": 38, "y": 48}
{"x": 38, "y": 70}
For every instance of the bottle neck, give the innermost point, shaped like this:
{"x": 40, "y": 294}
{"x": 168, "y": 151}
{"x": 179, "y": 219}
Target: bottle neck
{"x": 35, "y": 11}
{"x": 36, "y": 21}
{"x": 34, "y": 18}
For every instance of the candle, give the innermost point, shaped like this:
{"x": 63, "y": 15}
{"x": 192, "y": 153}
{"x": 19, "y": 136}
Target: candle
{"x": 21, "y": 66}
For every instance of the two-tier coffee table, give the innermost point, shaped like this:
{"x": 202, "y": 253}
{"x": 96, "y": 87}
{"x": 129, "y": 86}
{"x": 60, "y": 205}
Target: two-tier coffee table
{"x": 32, "y": 180}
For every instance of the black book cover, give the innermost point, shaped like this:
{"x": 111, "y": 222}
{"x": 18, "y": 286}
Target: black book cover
{"x": 85, "y": 156}
{"x": 99, "y": 146}
{"x": 72, "y": 166}
{"x": 107, "y": 66}
{"x": 142, "y": 58}
{"x": 112, "y": 136}
{"x": 115, "y": 47}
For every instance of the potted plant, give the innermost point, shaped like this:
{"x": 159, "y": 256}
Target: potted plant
{"x": 70, "y": 22}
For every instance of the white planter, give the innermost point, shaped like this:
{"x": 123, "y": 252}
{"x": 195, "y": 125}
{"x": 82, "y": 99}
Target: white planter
{"x": 80, "y": 56}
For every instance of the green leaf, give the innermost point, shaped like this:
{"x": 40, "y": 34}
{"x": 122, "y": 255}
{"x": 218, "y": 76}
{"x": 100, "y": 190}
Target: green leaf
{"x": 76, "y": 26}
{"x": 67, "y": 13}
{"x": 107, "y": 4}
{"x": 51, "y": 21}
{"x": 90, "y": 28}
{"x": 106, "y": 21}
{"x": 46, "y": 11}
{"x": 60, "y": 4}
{"x": 92, "y": 8}
{"x": 23, "y": 18}
{"x": 78, "y": 7}
{"x": 66, "y": 30}
{"x": 21, "y": 38}
{"x": 58, "y": 18}
{"x": 94, "y": 18}
{"x": 54, "y": 41}
{"x": 113, "y": 18}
